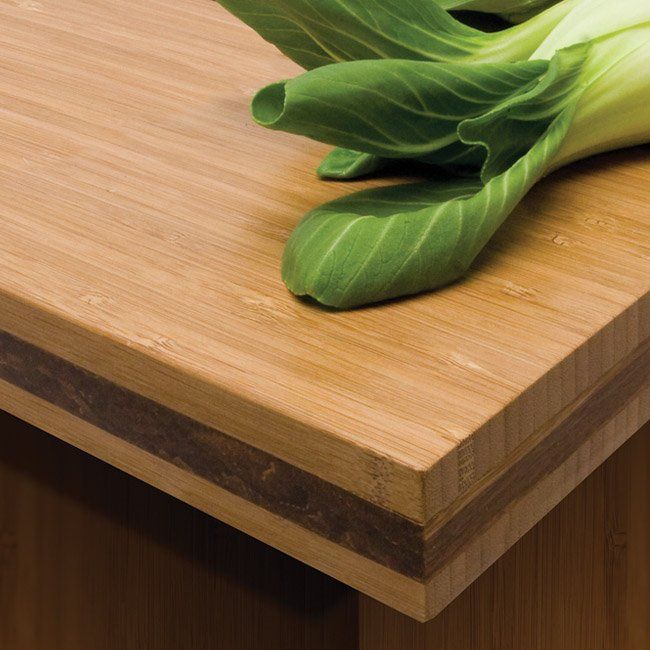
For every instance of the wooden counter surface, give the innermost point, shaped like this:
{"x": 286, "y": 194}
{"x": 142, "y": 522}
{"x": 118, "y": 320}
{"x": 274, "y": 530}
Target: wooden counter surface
{"x": 400, "y": 448}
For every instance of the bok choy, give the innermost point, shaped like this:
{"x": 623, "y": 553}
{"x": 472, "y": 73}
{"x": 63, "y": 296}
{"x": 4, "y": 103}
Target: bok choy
{"x": 392, "y": 80}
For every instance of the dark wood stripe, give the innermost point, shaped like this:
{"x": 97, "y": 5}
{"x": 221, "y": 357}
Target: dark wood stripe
{"x": 303, "y": 498}
{"x": 352, "y": 522}
{"x": 447, "y": 535}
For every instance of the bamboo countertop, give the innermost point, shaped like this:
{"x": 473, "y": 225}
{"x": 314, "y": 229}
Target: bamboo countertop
{"x": 401, "y": 448}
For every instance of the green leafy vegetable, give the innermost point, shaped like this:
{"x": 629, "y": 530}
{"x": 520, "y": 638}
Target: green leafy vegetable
{"x": 581, "y": 88}
{"x": 343, "y": 164}
{"x": 394, "y": 108}
{"x": 386, "y": 243}
{"x": 314, "y": 33}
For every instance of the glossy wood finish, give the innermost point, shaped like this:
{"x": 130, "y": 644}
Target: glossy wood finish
{"x": 143, "y": 219}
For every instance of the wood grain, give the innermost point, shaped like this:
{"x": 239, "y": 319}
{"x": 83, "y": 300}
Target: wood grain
{"x": 143, "y": 219}
{"x": 419, "y": 600}
{"x": 380, "y": 535}
{"x": 346, "y": 519}
{"x": 331, "y": 558}
{"x": 579, "y": 580}
{"x": 542, "y": 453}
{"x": 528, "y": 509}
{"x": 93, "y": 558}
{"x": 143, "y": 222}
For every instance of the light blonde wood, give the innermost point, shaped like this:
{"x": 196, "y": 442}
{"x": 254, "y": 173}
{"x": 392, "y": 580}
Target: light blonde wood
{"x": 143, "y": 219}
{"x": 519, "y": 517}
{"x": 579, "y": 580}
{"x": 142, "y": 222}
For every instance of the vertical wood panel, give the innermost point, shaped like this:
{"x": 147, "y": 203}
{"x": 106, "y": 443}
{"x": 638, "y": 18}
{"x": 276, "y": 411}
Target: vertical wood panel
{"x": 92, "y": 558}
{"x": 637, "y": 608}
{"x": 580, "y": 580}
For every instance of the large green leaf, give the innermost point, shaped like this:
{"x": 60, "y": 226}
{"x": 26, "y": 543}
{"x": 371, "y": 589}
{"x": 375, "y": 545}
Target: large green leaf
{"x": 317, "y": 32}
{"x": 392, "y": 108}
{"x": 512, "y": 128}
{"x": 277, "y": 25}
{"x": 311, "y": 33}
{"x": 392, "y": 242}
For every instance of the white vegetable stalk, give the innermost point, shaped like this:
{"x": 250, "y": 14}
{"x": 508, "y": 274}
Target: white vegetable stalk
{"x": 593, "y": 19}
{"x": 516, "y": 41}
{"x": 613, "y": 111}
